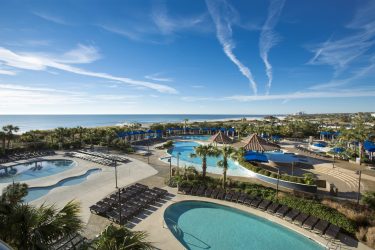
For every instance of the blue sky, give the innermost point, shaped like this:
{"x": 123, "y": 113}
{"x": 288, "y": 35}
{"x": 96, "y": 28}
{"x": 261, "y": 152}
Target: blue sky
{"x": 197, "y": 57}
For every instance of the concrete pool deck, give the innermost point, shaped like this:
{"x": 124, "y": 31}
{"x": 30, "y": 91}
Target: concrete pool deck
{"x": 162, "y": 238}
{"x": 97, "y": 185}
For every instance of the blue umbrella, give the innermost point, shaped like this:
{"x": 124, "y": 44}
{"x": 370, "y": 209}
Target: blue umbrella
{"x": 254, "y": 156}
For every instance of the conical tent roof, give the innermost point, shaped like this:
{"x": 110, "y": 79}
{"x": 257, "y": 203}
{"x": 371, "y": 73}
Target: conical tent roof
{"x": 257, "y": 143}
{"x": 221, "y": 138}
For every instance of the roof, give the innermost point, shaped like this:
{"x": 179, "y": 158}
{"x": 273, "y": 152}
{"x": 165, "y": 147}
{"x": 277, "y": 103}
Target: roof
{"x": 221, "y": 138}
{"x": 256, "y": 143}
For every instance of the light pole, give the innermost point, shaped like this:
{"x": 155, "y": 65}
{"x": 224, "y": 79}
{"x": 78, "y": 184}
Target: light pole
{"x": 119, "y": 205}
{"x": 115, "y": 165}
{"x": 107, "y": 137}
{"x": 148, "y": 150}
{"x": 359, "y": 186}
{"x": 170, "y": 169}
{"x": 277, "y": 184}
{"x": 292, "y": 168}
{"x": 333, "y": 162}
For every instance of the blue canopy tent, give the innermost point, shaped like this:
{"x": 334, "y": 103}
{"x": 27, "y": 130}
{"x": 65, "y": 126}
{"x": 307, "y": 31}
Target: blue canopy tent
{"x": 337, "y": 150}
{"x": 255, "y": 156}
{"x": 320, "y": 144}
{"x": 369, "y": 146}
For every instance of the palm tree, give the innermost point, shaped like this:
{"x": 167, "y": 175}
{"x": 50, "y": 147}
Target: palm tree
{"x": 9, "y": 129}
{"x": 226, "y": 152}
{"x": 239, "y": 154}
{"x": 3, "y": 139}
{"x": 204, "y": 151}
{"x": 114, "y": 238}
{"x": 23, "y": 226}
{"x": 185, "y": 124}
{"x": 80, "y": 131}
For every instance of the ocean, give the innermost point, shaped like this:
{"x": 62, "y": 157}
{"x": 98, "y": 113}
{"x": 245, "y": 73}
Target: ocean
{"x": 33, "y": 122}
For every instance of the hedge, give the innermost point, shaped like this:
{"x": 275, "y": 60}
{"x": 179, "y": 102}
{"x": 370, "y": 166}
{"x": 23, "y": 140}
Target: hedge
{"x": 285, "y": 177}
{"x": 320, "y": 211}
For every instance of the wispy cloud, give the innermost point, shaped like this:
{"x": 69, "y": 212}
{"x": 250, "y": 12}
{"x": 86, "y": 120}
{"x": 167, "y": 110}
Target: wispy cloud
{"x": 157, "y": 26}
{"x": 223, "y": 16}
{"x": 81, "y": 54}
{"x": 159, "y": 78}
{"x": 7, "y": 72}
{"x": 339, "y": 53}
{"x": 32, "y": 61}
{"x": 18, "y": 95}
{"x": 358, "y": 74}
{"x": 50, "y": 18}
{"x": 197, "y": 86}
{"x": 343, "y": 93}
{"x": 268, "y": 38}
{"x": 168, "y": 25}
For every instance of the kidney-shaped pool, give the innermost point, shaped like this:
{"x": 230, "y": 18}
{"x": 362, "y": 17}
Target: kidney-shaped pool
{"x": 205, "y": 225}
{"x": 33, "y": 170}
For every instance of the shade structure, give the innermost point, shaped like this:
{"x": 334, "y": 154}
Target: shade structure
{"x": 221, "y": 138}
{"x": 369, "y": 146}
{"x": 257, "y": 143}
{"x": 254, "y": 156}
{"x": 337, "y": 150}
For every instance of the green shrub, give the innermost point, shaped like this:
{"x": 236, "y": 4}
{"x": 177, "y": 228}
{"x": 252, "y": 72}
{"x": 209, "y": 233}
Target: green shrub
{"x": 321, "y": 211}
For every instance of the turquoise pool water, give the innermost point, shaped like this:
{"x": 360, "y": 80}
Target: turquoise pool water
{"x": 37, "y": 192}
{"x": 185, "y": 148}
{"x": 205, "y": 225}
{"x": 196, "y": 137}
{"x": 280, "y": 156}
{"x": 33, "y": 170}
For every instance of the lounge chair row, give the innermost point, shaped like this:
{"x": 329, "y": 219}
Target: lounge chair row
{"x": 115, "y": 157}
{"x": 294, "y": 216}
{"x": 26, "y": 155}
{"x": 122, "y": 206}
{"x": 92, "y": 158}
{"x": 305, "y": 150}
{"x": 74, "y": 241}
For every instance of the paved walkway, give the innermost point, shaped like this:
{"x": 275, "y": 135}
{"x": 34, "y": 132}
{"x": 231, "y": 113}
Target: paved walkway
{"x": 96, "y": 187}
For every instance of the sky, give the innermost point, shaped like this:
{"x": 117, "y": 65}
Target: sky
{"x": 187, "y": 57}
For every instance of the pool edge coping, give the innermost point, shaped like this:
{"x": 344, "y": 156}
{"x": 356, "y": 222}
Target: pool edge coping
{"x": 299, "y": 230}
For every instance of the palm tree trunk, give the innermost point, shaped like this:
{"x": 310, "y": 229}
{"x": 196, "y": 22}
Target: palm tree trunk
{"x": 8, "y": 145}
{"x": 224, "y": 177}
{"x": 204, "y": 167}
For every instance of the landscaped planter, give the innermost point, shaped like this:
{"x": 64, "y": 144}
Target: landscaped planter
{"x": 286, "y": 184}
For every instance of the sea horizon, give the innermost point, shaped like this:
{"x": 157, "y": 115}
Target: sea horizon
{"x": 50, "y": 121}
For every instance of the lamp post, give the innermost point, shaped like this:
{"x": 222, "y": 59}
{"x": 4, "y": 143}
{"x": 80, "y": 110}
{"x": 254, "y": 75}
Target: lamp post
{"x": 148, "y": 150}
{"x": 107, "y": 137}
{"x": 115, "y": 165}
{"x": 178, "y": 159}
{"x": 359, "y": 186}
{"x": 170, "y": 169}
{"x": 119, "y": 205}
{"x": 292, "y": 168}
{"x": 333, "y": 162}
{"x": 277, "y": 184}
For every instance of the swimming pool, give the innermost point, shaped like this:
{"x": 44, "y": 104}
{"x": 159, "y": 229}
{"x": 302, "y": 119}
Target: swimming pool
{"x": 196, "y": 137}
{"x": 37, "y": 192}
{"x": 33, "y": 170}
{"x": 280, "y": 156}
{"x": 205, "y": 225}
{"x": 185, "y": 148}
